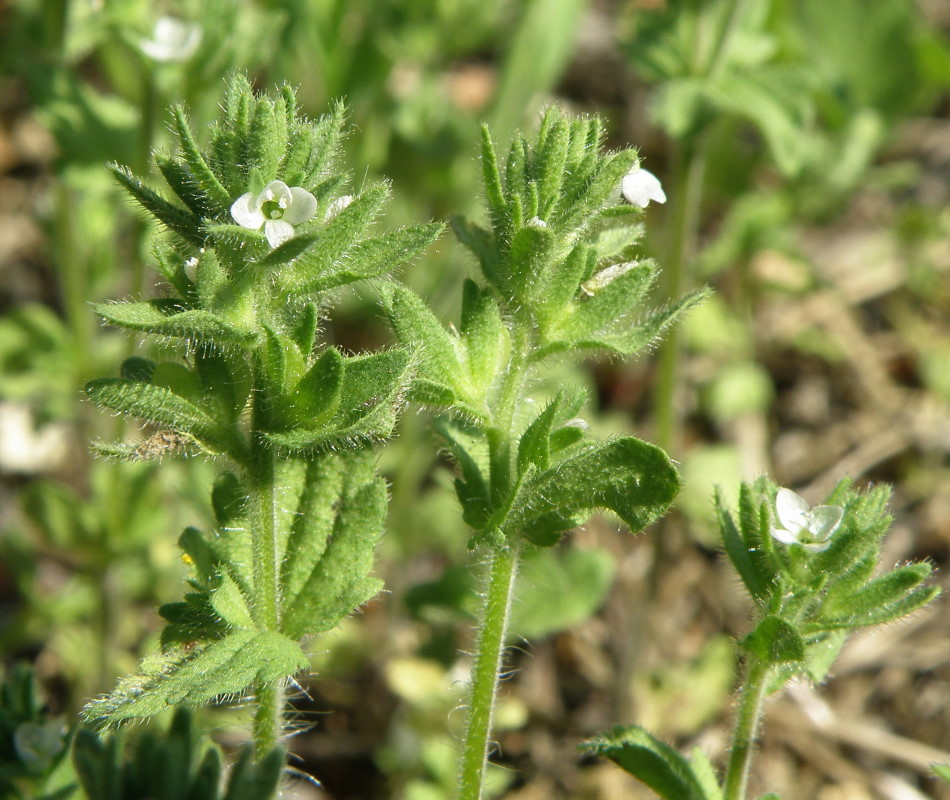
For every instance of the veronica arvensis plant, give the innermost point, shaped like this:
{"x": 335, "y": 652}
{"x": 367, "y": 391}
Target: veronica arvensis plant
{"x": 257, "y": 235}
{"x": 557, "y": 280}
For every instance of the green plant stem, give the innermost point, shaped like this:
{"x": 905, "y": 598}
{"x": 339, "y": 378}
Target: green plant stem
{"x": 690, "y": 171}
{"x": 747, "y": 723}
{"x": 487, "y": 671}
{"x": 268, "y": 717}
{"x": 503, "y": 570}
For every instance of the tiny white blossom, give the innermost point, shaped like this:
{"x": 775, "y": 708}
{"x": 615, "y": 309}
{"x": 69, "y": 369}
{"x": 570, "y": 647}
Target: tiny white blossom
{"x": 337, "y": 206}
{"x": 640, "y": 186}
{"x": 172, "y": 39}
{"x": 536, "y": 222}
{"x": 191, "y": 269}
{"x": 801, "y": 524}
{"x": 278, "y": 208}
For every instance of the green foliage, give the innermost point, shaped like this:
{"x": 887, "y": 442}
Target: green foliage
{"x": 33, "y": 744}
{"x": 807, "y": 599}
{"x": 551, "y": 284}
{"x": 669, "y": 774}
{"x": 291, "y": 414}
{"x": 173, "y": 765}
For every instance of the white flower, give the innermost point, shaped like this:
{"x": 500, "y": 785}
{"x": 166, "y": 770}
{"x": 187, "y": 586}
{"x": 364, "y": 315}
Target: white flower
{"x": 278, "y": 208}
{"x": 191, "y": 269}
{"x": 172, "y": 40}
{"x": 801, "y": 524}
{"x": 536, "y": 222}
{"x": 607, "y": 276}
{"x": 640, "y": 186}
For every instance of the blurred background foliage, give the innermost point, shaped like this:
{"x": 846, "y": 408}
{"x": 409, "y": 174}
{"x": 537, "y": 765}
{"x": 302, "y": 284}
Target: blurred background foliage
{"x": 805, "y": 149}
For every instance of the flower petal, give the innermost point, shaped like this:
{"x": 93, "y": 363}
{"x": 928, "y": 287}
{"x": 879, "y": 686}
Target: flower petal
{"x": 791, "y": 510}
{"x": 640, "y": 186}
{"x": 824, "y": 521}
{"x": 784, "y": 536}
{"x": 303, "y": 206}
{"x": 277, "y": 232}
{"x": 275, "y": 190}
{"x": 173, "y": 39}
{"x": 246, "y": 212}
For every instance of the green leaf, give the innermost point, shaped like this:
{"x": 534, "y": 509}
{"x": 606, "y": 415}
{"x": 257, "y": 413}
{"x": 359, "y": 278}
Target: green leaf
{"x": 338, "y": 580}
{"x": 535, "y": 444}
{"x": 336, "y": 239}
{"x": 632, "y": 478}
{"x": 256, "y": 781}
{"x": 225, "y": 667}
{"x": 176, "y": 218}
{"x": 481, "y": 243}
{"x": 169, "y": 317}
{"x": 750, "y": 570}
{"x": 775, "y": 641}
{"x": 373, "y": 257}
{"x": 230, "y": 603}
{"x": 229, "y": 498}
{"x": 372, "y": 390}
{"x": 469, "y": 449}
{"x": 532, "y": 248}
{"x": 203, "y": 175}
{"x": 418, "y": 328}
{"x": 651, "y": 762}
{"x": 317, "y": 395}
{"x": 559, "y": 589}
{"x": 152, "y": 403}
{"x": 942, "y": 771}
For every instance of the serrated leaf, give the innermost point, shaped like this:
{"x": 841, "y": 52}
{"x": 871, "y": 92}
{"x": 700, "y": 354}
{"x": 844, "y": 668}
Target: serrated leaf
{"x": 225, "y": 667}
{"x": 170, "y": 318}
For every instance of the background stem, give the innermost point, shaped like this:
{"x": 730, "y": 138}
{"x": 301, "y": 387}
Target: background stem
{"x": 488, "y": 659}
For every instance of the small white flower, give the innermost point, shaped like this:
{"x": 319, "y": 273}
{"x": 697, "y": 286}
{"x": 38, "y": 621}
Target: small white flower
{"x": 337, "y": 206}
{"x": 278, "y": 208}
{"x": 640, "y": 186}
{"x": 536, "y": 222}
{"x": 801, "y": 524}
{"x": 191, "y": 269}
{"x": 172, "y": 39}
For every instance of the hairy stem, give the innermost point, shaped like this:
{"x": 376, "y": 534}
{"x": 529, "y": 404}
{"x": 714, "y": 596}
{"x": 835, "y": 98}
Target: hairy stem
{"x": 747, "y": 724}
{"x": 487, "y": 671}
{"x": 268, "y": 717}
{"x": 503, "y": 570}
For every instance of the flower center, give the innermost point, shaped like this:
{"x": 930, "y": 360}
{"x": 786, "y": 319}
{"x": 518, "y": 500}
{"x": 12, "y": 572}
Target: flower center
{"x": 272, "y": 209}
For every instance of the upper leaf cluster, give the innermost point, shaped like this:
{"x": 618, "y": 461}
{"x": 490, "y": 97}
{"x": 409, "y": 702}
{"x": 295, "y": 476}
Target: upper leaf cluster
{"x": 808, "y": 601}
